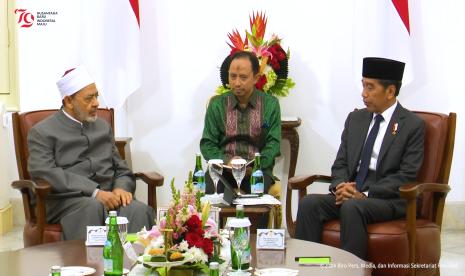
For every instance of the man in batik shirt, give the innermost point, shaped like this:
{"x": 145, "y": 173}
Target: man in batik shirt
{"x": 242, "y": 122}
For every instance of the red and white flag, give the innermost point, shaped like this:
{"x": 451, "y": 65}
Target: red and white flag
{"x": 382, "y": 29}
{"x": 110, "y": 47}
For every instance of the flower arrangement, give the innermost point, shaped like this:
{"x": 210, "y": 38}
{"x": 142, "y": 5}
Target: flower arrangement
{"x": 192, "y": 233}
{"x": 273, "y": 59}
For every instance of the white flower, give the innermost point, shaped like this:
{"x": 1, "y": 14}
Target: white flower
{"x": 196, "y": 254}
{"x": 183, "y": 246}
{"x": 157, "y": 243}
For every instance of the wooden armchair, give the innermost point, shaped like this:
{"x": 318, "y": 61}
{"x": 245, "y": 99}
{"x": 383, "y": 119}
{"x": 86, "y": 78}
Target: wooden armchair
{"x": 36, "y": 229}
{"x": 417, "y": 238}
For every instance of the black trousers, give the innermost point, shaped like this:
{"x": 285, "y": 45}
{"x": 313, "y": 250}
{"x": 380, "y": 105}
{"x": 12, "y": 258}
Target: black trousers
{"x": 354, "y": 214}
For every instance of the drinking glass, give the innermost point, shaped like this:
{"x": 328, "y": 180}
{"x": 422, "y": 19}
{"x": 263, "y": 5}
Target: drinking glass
{"x": 238, "y": 171}
{"x": 122, "y": 227}
{"x": 239, "y": 236}
{"x": 215, "y": 168}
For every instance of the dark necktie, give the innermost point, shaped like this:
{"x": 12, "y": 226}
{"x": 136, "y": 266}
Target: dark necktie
{"x": 366, "y": 153}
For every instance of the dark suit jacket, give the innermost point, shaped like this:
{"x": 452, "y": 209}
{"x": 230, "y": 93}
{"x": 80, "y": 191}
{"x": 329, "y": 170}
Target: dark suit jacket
{"x": 400, "y": 157}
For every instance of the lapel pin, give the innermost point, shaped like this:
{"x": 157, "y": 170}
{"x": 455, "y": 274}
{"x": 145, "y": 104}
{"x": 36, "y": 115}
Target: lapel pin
{"x": 394, "y": 128}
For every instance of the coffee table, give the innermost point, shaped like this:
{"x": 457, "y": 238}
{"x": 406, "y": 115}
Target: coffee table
{"x": 37, "y": 260}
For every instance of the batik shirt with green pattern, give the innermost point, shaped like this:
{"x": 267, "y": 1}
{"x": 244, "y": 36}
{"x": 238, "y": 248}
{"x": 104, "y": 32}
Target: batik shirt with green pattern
{"x": 230, "y": 130}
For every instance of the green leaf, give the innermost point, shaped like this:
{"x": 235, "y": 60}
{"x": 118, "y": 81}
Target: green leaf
{"x": 221, "y": 90}
{"x": 282, "y": 87}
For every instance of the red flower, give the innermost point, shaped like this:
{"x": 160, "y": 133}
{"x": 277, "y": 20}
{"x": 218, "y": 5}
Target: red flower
{"x": 193, "y": 238}
{"x": 261, "y": 82}
{"x": 277, "y": 52}
{"x": 207, "y": 246}
{"x": 275, "y": 64}
{"x": 193, "y": 223}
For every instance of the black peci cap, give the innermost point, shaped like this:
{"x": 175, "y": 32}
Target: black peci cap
{"x": 382, "y": 68}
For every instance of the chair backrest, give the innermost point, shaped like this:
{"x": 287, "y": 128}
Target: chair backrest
{"x": 23, "y": 122}
{"x": 439, "y": 149}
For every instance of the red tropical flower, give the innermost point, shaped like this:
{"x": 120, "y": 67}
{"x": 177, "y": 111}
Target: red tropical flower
{"x": 261, "y": 82}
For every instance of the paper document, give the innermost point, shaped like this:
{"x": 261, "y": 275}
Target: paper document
{"x": 263, "y": 200}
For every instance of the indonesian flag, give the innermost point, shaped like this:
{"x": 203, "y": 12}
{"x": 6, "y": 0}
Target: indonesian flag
{"x": 382, "y": 29}
{"x": 110, "y": 47}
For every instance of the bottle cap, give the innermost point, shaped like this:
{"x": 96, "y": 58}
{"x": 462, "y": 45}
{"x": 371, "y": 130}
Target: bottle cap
{"x": 55, "y": 268}
{"x": 238, "y": 222}
{"x": 257, "y": 154}
{"x": 119, "y": 220}
{"x": 112, "y": 214}
{"x": 198, "y": 154}
{"x": 239, "y": 207}
{"x": 214, "y": 265}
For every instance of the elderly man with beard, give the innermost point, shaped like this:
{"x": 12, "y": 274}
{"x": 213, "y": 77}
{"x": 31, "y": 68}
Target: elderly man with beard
{"x": 75, "y": 152}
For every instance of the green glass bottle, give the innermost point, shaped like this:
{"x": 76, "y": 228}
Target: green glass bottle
{"x": 113, "y": 252}
{"x": 55, "y": 270}
{"x": 246, "y": 254}
{"x": 257, "y": 184}
{"x": 214, "y": 269}
{"x": 198, "y": 177}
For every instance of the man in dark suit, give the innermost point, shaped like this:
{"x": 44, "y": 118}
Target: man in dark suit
{"x": 381, "y": 149}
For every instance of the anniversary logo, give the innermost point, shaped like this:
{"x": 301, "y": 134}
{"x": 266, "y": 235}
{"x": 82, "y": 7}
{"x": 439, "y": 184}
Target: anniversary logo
{"x": 26, "y": 18}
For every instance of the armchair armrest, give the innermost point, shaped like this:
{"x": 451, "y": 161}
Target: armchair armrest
{"x": 40, "y": 190}
{"x": 303, "y": 181}
{"x": 153, "y": 180}
{"x": 124, "y": 149}
{"x": 299, "y": 183}
{"x": 411, "y": 192}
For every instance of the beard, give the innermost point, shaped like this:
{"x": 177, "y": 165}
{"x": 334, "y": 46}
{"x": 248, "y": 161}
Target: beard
{"x": 84, "y": 116}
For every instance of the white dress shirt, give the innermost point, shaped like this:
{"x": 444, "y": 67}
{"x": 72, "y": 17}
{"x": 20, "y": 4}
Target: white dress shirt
{"x": 387, "y": 115}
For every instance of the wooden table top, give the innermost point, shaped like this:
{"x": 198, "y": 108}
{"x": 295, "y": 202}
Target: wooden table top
{"x": 37, "y": 260}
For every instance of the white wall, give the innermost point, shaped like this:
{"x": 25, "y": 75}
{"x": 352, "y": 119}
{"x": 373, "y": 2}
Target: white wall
{"x": 184, "y": 43}
{"x": 4, "y": 194}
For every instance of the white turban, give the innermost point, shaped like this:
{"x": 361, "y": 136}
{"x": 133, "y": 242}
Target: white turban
{"x": 74, "y": 80}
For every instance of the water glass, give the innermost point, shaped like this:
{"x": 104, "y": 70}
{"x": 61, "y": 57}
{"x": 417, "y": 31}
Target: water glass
{"x": 239, "y": 236}
{"x": 122, "y": 227}
{"x": 238, "y": 171}
{"x": 215, "y": 168}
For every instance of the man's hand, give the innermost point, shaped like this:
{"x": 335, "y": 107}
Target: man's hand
{"x": 124, "y": 196}
{"x": 345, "y": 191}
{"x": 109, "y": 199}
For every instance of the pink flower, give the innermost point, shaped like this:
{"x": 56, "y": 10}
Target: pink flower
{"x": 191, "y": 209}
{"x": 154, "y": 233}
{"x": 211, "y": 227}
{"x": 162, "y": 223}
